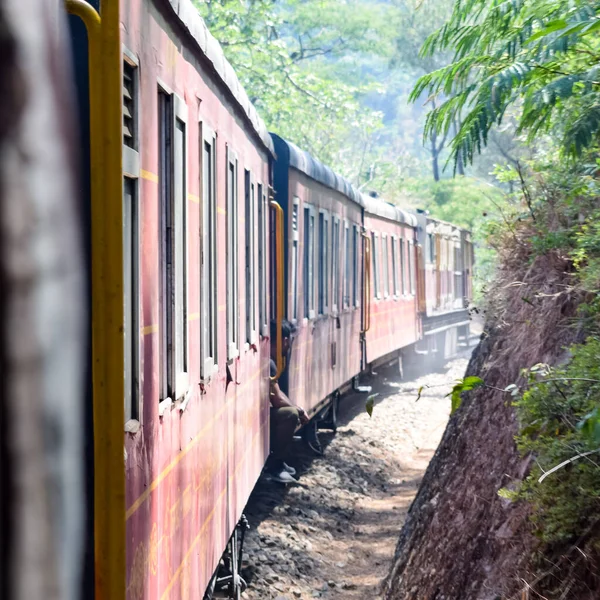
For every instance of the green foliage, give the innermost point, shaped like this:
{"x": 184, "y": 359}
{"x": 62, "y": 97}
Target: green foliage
{"x": 464, "y": 385}
{"x": 559, "y": 417}
{"x": 299, "y": 60}
{"x": 370, "y": 403}
{"x": 542, "y": 57}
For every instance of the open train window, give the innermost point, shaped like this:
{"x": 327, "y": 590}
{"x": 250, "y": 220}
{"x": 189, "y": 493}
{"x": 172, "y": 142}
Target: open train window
{"x": 309, "y": 262}
{"x": 411, "y": 267}
{"x": 130, "y": 296}
{"x": 355, "y": 240}
{"x": 386, "y": 262}
{"x": 250, "y": 237}
{"x": 173, "y": 242}
{"x": 294, "y": 250}
{"x": 375, "y": 261}
{"x": 263, "y": 215}
{"x": 335, "y": 263}
{"x": 180, "y": 299}
{"x": 431, "y": 255}
{"x": 323, "y": 262}
{"x": 131, "y": 240}
{"x": 208, "y": 260}
{"x": 402, "y": 266}
{"x": 232, "y": 256}
{"x": 348, "y": 270}
{"x": 394, "y": 266}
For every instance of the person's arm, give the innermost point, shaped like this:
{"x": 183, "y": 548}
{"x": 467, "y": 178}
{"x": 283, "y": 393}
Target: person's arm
{"x": 280, "y": 400}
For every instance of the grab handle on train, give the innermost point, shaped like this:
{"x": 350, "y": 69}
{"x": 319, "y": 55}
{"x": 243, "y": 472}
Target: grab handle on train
{"x": 367, "y": 285}
{"x": 279, "y": 271}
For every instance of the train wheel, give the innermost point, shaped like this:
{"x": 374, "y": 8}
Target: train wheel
{"x": 330, "y": 421}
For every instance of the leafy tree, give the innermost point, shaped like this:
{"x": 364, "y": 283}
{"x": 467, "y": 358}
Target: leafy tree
{"x": 540, "y": 56}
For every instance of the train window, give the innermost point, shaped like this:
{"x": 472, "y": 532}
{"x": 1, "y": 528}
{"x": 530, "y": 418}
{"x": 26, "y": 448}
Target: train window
{"x": 348, "y": 274}
{"x": 411, "y": 267}
{"x": 394, "y": 267}
{"x": 165, "y": 177}
{"x": 180, "y": 297}
{"x": 386, "y": 262}
{"x": 335, "y": 263}
{"x": 131, "y": 240}
{"x": 458, "y": 271}
{"x": 402, "y": 266}
{"x": 375, "y": 261}
{"x": 130, "y": 296}
{"x": 232, "y": 255}
{"x": 208, "y": 249}
{"x": 294, "y": 269}
{"x": 323, "y": 263}
{"x": 263, "y": 214}
{"x": 250, "y": 240}
{"x": 309, "y": 262}
{"x": 431, "y": 247}
{"x": 129, "y": 105}
{"x": 355, "y": 240}
{"x": 173, "y": 243}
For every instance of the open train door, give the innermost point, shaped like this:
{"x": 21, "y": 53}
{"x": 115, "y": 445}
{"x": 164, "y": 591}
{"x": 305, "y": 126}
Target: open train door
{"x": 96, "y": 48}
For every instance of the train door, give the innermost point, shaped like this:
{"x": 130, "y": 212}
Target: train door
{"x": 96, "y": 48}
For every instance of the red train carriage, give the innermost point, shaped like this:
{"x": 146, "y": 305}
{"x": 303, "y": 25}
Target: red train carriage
{"x": 446, "y": 265}
{"x": 393, "y": 321}
{"x": 196, "y": 163}
{"x": 324, "y": 275}
{"x": 190, "y": 275}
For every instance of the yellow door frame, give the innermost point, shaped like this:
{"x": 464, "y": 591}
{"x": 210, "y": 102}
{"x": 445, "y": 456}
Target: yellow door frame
{"x": 105, "y": 72}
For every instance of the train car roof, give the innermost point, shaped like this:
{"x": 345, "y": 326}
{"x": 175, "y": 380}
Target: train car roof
{"x": 194, "y": 24}
{"x": 305, "y": 163}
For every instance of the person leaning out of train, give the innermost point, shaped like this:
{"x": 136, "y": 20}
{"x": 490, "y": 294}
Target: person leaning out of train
{"x": 285, "y": 417}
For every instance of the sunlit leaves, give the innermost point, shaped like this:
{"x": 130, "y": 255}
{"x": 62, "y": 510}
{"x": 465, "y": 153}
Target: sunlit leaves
{"x": 542, "y": 56}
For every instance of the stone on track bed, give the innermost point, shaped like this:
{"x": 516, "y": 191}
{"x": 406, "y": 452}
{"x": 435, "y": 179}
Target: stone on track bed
{"x": 333, "y": 535}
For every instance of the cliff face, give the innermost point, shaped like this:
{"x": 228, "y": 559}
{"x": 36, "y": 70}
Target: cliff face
{"x": 461, "y": 540}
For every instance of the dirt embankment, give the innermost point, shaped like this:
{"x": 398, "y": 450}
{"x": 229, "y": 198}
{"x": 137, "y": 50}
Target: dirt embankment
{"x": 333, "y": 535}
{"x": 461, "y": 540}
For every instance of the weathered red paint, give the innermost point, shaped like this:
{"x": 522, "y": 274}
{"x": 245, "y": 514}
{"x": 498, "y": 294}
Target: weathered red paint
{"x": 394, "y": 319}
{"x": 325, "y": 356}
{"x": 189, "y": 472}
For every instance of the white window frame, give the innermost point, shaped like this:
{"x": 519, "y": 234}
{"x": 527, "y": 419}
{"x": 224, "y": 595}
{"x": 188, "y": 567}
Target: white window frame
{"x": 180, "y": 253}
{"x": 395, "y": 266}
{"x": 375, "y": 261}
{"x": 355, "y": 265}
{"x": 208, "y": 257}
{"x": 386, "y": 265}
{"x": 294, "y": 257}
{"x": 250, "y": 256}
{"x": 323, "y": 264}
{"x": 232, "y": 256}
{"x": 411, "y": 267}
{"x": 263, "y": 251}
{"x": 335, "y": 264}
{"x": 347, "y": 287}
{"x": 308, "y": 260}
{"x": 402, "y": 247}
{"x": 131, "y": 257}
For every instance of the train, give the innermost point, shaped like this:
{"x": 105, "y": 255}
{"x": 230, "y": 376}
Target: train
{"x": 203, "y": 228}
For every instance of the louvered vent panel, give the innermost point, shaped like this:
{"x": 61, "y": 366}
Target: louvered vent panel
{"x": 295, "y": 217}
{"x": 128, "y": 105}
